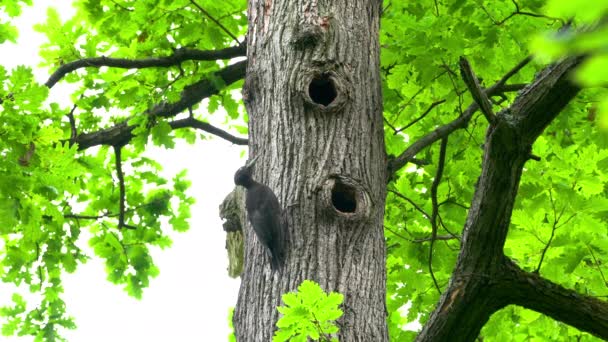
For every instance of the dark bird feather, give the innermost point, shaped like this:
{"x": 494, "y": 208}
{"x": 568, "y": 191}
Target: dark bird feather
{"x": 265, "y": 215}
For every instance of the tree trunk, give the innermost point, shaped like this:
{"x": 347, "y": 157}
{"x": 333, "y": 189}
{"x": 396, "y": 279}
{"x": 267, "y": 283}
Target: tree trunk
{"x": 313, "y": 95}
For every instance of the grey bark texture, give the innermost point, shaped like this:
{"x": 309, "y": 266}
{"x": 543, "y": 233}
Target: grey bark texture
{"x": 313, "y": 95}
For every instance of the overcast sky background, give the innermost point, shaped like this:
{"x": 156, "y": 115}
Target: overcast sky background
{"x": 190, "y": 298}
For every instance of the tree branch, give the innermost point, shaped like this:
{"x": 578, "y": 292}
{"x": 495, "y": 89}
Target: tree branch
{"x": 398, "y": 194}
{"x": 524, "y": 13}
{"x": 477, "y": 288}
{"x": 533, "y": 292}
{"x": 458, "y": 123}
{"x": 542, "y": 100}
{"x": 121, "y": 133}
{"x": 193, "y": 123}
{"x": 215, "y": 21}
{"x": 479, "y": 96}
{"x": 179, "y": 56}
{"x": 434, "y": 187}
{"x": 421, "y": 240}
{"x": 121, "y": 185}
{"x": 433, "y": 105}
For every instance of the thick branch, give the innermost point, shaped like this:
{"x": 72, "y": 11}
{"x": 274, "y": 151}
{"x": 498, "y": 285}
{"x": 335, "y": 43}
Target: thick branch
{"x": 179, "y": 56}
{"x": 481, "y": 259}
{"x": 533, "y": 292}
{"x": 122, "y": 133}
{"x": 541, "y": 101}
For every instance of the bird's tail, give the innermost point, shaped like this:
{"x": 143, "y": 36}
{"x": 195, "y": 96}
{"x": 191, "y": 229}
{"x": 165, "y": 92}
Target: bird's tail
{"x": 277, "y": 260}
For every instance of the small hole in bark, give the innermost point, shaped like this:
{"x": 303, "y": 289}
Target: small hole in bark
{"x": 322, "y": 90}
{"x": 344, "y": 198}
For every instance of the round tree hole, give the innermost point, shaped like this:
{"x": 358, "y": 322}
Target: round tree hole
{"x": 322, "y": 90}
{"x": 344, "y": 198}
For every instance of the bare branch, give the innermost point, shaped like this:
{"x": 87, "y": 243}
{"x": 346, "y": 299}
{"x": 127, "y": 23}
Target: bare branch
{"x": 479, "y": 96}
{"x": 179, "y": 56}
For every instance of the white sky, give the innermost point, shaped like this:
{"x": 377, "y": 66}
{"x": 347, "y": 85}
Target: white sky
{"x": 190, "y": 298}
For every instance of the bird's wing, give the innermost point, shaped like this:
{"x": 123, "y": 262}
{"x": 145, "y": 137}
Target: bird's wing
{"x": 262, "y": 225}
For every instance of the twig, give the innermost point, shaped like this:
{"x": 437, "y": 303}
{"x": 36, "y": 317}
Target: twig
{"x": 556, "y": 219}
{"x": 418, "y": 92}
{"x": 422, "y": 240}
{"x": 597, "y": 264}
{"x": 215, "y": 21}
{"x": 510, "y": 73}
{"x": 434, "y": 187}
{"x": 38, "y": 258}
{"x": 193, "y": 123}
{"x": 433, "y": 105}
{"x": 524, "y": 13}
{"x": 398, "y": 194}
{"x": 326, "y": 337}
{"x": 121, "y": 185}
{"x": 469, "y": 78}
{"x": 458, "y": 123}
{"x": 389, "y": 125}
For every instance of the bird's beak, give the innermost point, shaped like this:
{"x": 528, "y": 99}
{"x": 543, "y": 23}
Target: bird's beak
{"x": 252, "y": 161}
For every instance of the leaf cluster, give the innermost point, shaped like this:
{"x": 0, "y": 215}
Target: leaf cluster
{"x": 309, "y": 312}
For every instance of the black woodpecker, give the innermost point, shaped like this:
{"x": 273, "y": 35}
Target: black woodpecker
{"x": 264, "y": 213}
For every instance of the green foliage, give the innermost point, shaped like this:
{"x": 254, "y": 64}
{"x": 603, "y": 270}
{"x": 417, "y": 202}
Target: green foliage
{"x": 12, "y": 9}
{"x": 53, "y": 196}
{"x": 231, "y": 337}
{"x": 592, "y": 39}
{"x": 309, "y": 312}
{"x": 565, "y": 192}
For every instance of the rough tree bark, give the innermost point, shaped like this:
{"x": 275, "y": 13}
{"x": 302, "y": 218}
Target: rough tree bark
{"x": 313, "y": 95}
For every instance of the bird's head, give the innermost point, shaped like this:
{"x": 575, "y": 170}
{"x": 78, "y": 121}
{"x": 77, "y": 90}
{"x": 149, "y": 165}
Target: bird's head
{"x": 242, "y": 176}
